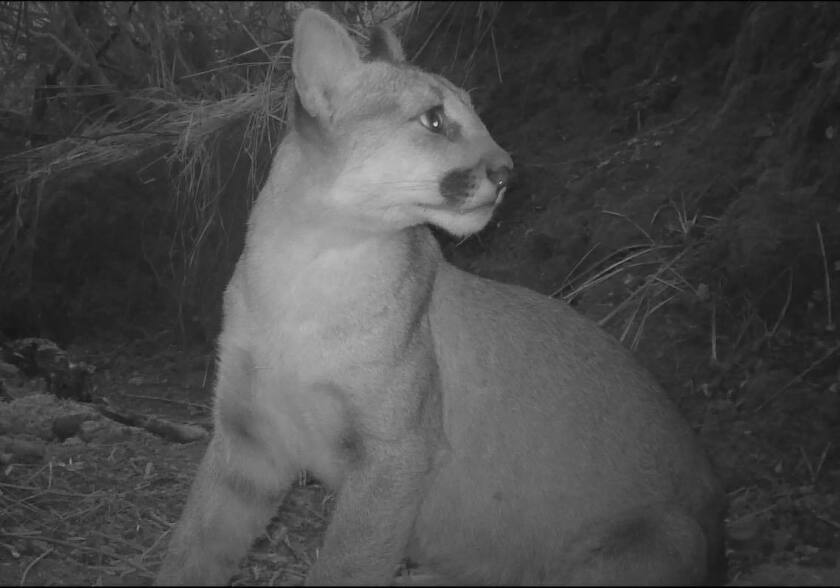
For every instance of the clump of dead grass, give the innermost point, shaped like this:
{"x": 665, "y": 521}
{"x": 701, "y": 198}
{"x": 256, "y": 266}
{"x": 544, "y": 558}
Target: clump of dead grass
{"x": 90, "y": 507}
{"x": 652, "y": 273}
{"x": 100, "y": 512}
{"x": 205, "y": 134}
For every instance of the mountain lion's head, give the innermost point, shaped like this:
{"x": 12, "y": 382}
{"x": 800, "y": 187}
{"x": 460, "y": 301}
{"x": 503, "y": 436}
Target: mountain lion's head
{"x": 391, "y": 146}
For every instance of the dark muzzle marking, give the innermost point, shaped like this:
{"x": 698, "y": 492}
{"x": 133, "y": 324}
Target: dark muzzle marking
{"x": 457, "y": 186}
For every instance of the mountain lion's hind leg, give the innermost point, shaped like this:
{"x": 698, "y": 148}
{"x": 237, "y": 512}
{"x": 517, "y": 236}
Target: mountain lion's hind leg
{"x": 236, "y": 491}
{"x": 659, "y": 545}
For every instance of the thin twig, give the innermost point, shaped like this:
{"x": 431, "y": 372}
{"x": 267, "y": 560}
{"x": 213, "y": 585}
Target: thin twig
{"x": 823, "y": 455}
{"x": 828, "y": 521}
{"x": 496, "y": 55}
{"x": 32, "y": 564}
{"x": 254, "y": 40}
{"x": 434, "y": 30}
{"x": 830, "y": 323}
{"x": 155, "y": 544}
{"x": 745, "y": 325}
{"x": 168, "y": 400}
{"x": 207, "y": 365}
{"x": 631, "y": 221}
{"x": 785, "y": 305}
{"x": 114, "y": 539}
{"x": 799, "y": 377}
{"x": 628, "y": 325}
{"x": 714, "y": 333}
{"x": 569, "y": 275}
{"x": 754, "y": 514}
{"x": 640, "y": 329}
{"x": 72, "y": 545}
{"x": 807, "y": 463}
{"x": 609, "y": 271}
{"x": 643, "y": 288}
{"x": 622, "y": 305}
{"x": 51, "y": 491}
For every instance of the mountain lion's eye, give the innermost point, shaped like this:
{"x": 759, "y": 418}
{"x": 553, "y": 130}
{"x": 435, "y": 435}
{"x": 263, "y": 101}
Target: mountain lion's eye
{"x": 433, "y": 119}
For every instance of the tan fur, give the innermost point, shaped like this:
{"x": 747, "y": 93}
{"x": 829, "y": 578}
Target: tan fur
{"x": 490, "y": 433}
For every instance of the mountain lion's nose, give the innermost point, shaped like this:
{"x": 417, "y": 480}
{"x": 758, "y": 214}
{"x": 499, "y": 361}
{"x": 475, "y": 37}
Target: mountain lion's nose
{"x": 499, "y": 176}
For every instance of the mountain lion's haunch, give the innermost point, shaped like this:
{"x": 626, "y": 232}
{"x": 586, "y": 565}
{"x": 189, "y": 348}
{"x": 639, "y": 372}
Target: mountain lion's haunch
{"x": 491, "y": 434}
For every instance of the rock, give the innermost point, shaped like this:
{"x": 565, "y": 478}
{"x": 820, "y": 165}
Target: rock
{"x": 21, "y": 450}
{"x": 8, "y": 370}
{"x": 176, "y": 432}
{"x": 5, "y": 396}
{"x": 35, "y": 356}
{"x": 34, "y": 414}
{"x": 68, "y": 425}
{"x": 105, "y": 431}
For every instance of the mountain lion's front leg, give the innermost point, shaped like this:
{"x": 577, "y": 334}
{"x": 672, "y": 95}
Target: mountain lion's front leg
{"x": 375, "y": 512}
{"x": 225, "y": 511}
{"x": 237, "y": 489}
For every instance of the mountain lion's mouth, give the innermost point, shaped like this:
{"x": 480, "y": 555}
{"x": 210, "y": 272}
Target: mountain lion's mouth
{"x": 482, "y": 205}
{"x": 477, "y": 208}
{"x": 470, "y": 207}
{"x": 489, "y": 203}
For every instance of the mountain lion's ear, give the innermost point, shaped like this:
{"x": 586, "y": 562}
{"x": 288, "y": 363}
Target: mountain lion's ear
{"x": 384, "y": 45}
{"x": 324, "y": 55}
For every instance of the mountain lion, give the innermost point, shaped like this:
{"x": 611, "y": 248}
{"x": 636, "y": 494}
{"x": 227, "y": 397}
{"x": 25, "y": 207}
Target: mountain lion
{"x": 491, "y": 434}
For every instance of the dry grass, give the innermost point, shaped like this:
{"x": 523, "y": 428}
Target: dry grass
{"x": 175, "y": 128}
{"x": 651, "y": 271}
{"x": 103, "y": 512}
{"x": 205, "y": 135}
{"x": 94, "y": 506}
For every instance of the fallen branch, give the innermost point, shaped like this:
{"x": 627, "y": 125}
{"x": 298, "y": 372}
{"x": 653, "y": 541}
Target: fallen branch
{"x": 167, "y": 400}
{"x": 170, "y": 431}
